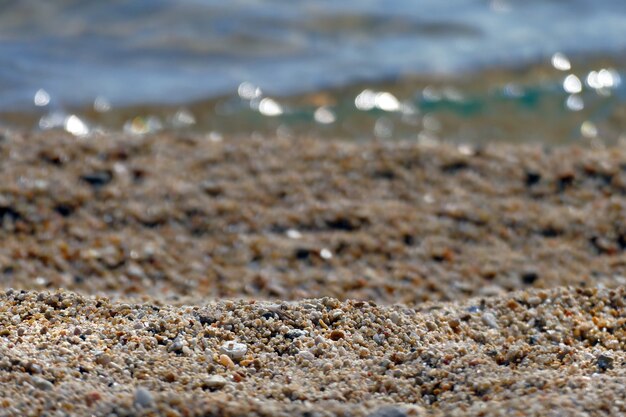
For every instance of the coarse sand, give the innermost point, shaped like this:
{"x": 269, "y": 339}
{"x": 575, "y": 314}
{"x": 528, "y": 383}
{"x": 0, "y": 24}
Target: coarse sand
{"x": 208, "y": 276}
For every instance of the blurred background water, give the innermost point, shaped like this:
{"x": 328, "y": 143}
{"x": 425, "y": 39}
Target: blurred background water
{"x": 461, "y": 70}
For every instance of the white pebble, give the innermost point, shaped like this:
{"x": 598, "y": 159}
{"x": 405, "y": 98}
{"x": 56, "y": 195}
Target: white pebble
{"x": 490, "y": 320}
{"x": 215, "y": 382}
{"x": 306, "y": 355}
{"x": 234, "y": 350}
{"x": 395, "y": 318}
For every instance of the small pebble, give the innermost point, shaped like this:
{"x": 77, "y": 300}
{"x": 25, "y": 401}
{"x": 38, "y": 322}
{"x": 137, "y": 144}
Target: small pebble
{"x": 226, "y": 361}
{"x": 215, "y": 382}
{"x": 490, "y": 320}
{"x": 143, "y": 397}
{"x": 336, "y": 335}
{"x": 176, "y": 345}
{"x": 605, "y": 362}
{"x": 295, "y": 333}
{"x": 103, "y": 359}
{"x": 234, "y": 350}
{"x": 42, "y": 384}
{"x": 395, "y": 318}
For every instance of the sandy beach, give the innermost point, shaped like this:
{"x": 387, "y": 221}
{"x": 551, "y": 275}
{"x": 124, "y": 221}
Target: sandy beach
{"x": 195, "y": 275}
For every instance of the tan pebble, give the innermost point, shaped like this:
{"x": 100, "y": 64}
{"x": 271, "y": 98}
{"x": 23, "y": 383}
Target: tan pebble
{"x": 246, "y": 362}
{"x": 103, "y": 359}
{"x": 226, "y": 361}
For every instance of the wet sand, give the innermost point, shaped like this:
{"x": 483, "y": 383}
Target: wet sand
{"x": 381, "y": 278}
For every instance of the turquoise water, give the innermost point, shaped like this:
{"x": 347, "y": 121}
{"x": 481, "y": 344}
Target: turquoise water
{"x": 259, "y": 64}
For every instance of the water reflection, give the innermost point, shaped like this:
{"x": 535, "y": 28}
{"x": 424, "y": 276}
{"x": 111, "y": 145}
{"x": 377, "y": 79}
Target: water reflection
{"x": 539, "y": 103}
{"x": 101, "y": 104}
{"x": 561, "y": 62}
{"x": 74, "y": 125}
{"x": 270, "y": 107}
{"x": 572, "y": 84}
{"x": 324, "y": 116}
{"x": 42, "y": 98}
{"x": 143, "y": 125}
{"x": 575, "y": 102}
{"x": 605, "y": 78}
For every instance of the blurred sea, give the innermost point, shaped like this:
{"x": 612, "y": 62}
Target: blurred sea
{"x": 460, "y": 70}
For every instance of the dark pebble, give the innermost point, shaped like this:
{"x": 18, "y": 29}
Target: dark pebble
{"x": 605, "y": 363}
{"x": 529, "y": 277}
{"x": 532, "y": 178}
{"x": 98, "y": 178}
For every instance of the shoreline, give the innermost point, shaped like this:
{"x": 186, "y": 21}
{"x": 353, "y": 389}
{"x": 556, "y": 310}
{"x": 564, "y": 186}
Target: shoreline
{"x": 378, "y": 278}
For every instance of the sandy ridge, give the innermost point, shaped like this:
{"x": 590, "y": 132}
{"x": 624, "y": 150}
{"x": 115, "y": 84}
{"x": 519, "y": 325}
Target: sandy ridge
{"x": 528, "y": 351}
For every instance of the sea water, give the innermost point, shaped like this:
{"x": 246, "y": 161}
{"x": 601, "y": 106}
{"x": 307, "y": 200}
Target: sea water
{"x": 466, "y": 70}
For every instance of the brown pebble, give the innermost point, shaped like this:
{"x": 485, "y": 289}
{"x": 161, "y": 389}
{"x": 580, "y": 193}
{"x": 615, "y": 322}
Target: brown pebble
{"x": 92, "y": 397}
{"x": 336, "y": 335}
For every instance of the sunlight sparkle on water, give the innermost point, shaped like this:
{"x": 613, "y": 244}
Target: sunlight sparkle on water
{"x": 324, "y": 116}
{"x": 575, "y": 102}
{"x": 101, "y": 105}
{"x": 561, "y": 62}
{"x": 387, "y": 102}
{"x": 269, "y": 107}
{"x": 588, "y": 129}
{"x": 605, "y": 78}
{"x": 140, "y": 125}
{"x": 366, "y": 100}
{"x": 183, "y": 118}
{"x": 74, "y": 125}
{"x": 572, "y": 84}
{"x": 249, "y": 91}
{"x": 42, "y": 98}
